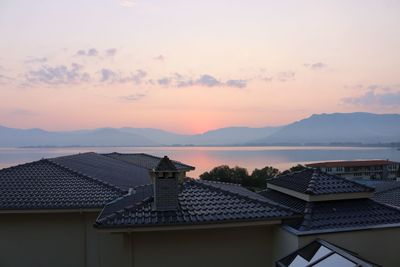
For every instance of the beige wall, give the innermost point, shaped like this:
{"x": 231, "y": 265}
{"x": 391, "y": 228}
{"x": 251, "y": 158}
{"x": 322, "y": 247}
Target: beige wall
{"x": 247, "y": 246}
{"x": 380, "y": 246}
{"x": 57, "y": 240}
{"x": 284, "y": 243}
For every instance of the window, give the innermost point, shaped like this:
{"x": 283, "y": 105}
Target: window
{"x": 320, "y": 253}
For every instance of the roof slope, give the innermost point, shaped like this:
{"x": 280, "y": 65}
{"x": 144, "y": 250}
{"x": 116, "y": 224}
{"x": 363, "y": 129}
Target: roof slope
{"x": 199, "y": 203}
{"x": 315, "y": 182}
{"x": 339, "y": 215}
{"x": 106, "y": 169}
{"x": 386, "y": 191}
{"x": 46, "y": 185}
{"x": 146, "y": 161}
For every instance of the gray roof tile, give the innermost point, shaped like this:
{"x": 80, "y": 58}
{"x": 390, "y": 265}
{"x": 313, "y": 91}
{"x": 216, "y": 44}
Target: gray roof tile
{"x": 315, "y": 182}
{"x": 336, "y": 215}
{"x": 107, "y": 169}
{"x": 198, "y": 203}
{"x": 46, "y": 185}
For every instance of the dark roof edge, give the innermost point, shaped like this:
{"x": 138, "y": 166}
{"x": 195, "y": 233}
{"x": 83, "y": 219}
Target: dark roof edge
{"x": 339, "y": 230}
{"x": 114, "y": 187}
{"x": 49, "y": 210}
{"x": 183, "y": 226}
{"x": 188, "y": 167}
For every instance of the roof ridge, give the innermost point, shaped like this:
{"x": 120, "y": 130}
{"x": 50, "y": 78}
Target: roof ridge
{"x": 385, "y": 204}
{"x": 307, "y": 215}
{"x": 133, "y": 206}
{"x": 219, "y": 182}
{"x": 85, "y": 175}
{"x": 312, "y": 182}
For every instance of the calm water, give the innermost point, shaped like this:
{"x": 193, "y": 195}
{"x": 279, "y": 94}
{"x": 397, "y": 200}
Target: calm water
{"x": 205, "y": 158}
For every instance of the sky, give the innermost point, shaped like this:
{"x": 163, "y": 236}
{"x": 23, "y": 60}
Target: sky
{"x": 192, "y": 66}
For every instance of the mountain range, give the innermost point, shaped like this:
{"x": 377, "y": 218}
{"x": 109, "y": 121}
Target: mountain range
{"x": 321, "y": 129}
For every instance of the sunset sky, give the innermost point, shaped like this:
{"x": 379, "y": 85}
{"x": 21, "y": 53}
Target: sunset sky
{"x": 191, "y": 66}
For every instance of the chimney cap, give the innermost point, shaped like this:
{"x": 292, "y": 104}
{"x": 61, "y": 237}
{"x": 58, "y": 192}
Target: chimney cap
{"x": 166, "y": 164}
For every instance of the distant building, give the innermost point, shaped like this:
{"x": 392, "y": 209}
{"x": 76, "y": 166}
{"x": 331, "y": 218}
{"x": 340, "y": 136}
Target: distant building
{"x": 356, "y": 169}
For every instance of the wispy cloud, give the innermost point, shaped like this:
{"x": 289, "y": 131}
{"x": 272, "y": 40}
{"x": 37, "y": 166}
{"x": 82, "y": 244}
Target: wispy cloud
{"x": 285, "y": 76}
{"x": 316, "y": 66}
{"x": 236, "y": 83}
{"x": 372, "y": 98}
{"x": 164, "y": 81}
{"x": 133, "y": 97}
{"x": 111, "y": 52}
{"x": 91, "y": 52}
{"x": 205, "y": 80}
{"x": 159, "y": 58}
{"x": 111, "y": 76}
{"x": 57, "y": 75}
{"x": 33, "y": 60}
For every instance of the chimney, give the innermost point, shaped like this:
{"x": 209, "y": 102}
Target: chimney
{"x": 166, "y": 185}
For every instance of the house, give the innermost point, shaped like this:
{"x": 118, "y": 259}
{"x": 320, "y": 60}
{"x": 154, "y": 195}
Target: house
{"x": 336, "y": 210}
{"x": 356, "y": 169}
{"x": 138, "y": 210}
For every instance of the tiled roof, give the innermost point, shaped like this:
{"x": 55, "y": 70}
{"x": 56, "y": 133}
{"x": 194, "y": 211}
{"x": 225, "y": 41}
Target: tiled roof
{"x": 46, "y": 185}
{"x": 336, "y": 215}
{"x": 290, "y": 202}
{"x": 346, "y": 214}
{"x": 386, "y": 191}
{"x": 352, "y": 163}
{"x": 199, "y": 203}
{"x": 106, "y": 169}
{"x": 315, "y": 182}
{"x": 380, "y": 185}
{"x": 146, "y": 161}
{"x": 390, "y": 197}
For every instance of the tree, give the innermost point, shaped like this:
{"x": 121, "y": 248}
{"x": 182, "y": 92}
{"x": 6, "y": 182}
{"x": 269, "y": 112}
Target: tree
{"x": 226, "y": 174}
{"x": 239, "y": 175}
{"x": 259, "y": 177}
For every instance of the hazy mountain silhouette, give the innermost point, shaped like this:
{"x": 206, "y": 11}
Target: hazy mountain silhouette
{"x": 322, "y": 129}
{"x": 358, "y": 127}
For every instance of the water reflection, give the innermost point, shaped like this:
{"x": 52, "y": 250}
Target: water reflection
{"x": 205, "y": 158}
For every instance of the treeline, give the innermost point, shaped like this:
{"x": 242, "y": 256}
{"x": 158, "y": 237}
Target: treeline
{"x": 238, "y": 175}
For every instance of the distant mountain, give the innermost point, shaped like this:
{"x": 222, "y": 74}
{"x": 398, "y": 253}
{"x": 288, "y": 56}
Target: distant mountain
{"x": 321, "y": 129}
{"x": 223, "y": 136}
{"x": 11, "y": 137}
{"x": 358, "y": 127}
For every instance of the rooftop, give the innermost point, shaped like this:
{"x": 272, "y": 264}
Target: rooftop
{"x": 352, "y": 163}
{"x": 199, "y": 203}
{"x": 44, "y": 184}
{"x": 335, "y": 216}
{"x": 81, "y": 181}
{"x": 315, "y": 182}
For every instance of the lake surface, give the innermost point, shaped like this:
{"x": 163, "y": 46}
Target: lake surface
{"x": 205, "y": 158}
